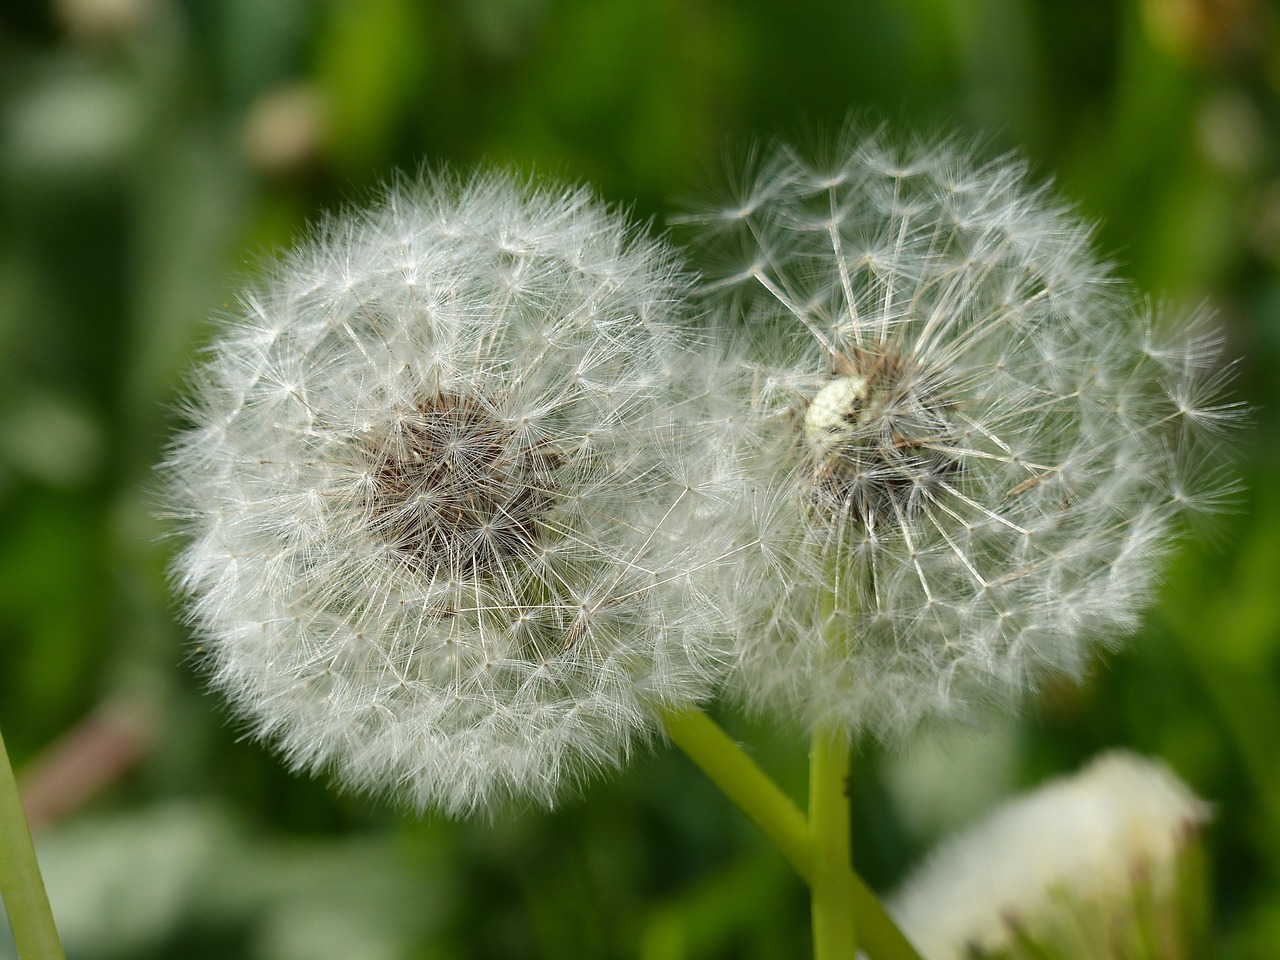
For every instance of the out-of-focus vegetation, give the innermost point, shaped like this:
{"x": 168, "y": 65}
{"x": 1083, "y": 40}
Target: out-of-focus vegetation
{"x": 151, "y": 150}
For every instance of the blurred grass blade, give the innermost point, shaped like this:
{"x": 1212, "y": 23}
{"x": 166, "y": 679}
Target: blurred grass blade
{"x": 24, "y": 897}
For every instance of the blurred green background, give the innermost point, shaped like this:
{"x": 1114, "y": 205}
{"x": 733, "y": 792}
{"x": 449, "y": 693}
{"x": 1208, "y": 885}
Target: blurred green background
{"x": 151, "y": 151}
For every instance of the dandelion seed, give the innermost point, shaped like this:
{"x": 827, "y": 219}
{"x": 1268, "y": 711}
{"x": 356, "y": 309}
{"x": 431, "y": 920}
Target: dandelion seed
{"x": 971, "y": 441}
{"x": 443, "y": 535}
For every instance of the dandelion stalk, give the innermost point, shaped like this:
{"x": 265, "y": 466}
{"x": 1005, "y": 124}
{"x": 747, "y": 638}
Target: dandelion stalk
{"x": 781, "y": 821}
{"x": 25, "y": 900}
{"x": 742, "y": 781}
{"x": 834, "y": 926}
{"x": 879, "y": 934}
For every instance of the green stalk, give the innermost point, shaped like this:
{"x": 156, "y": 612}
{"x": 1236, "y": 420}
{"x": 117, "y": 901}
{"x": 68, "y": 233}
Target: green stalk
{"x": 778, "y": 818}
{"x": 877, "y": 932}
{"x": 24, "y": 898}
{"x": 742, "y": 781}
{"x": 833, "y": 888}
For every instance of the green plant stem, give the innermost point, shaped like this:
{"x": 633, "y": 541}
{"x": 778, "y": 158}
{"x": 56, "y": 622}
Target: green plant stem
{"x": 24, "y": 898}
{"x": 743, "y": 782}
{"x": 878, "y": 934}
{"x": 776, "y": 815}
{"x": 834, "y": 892}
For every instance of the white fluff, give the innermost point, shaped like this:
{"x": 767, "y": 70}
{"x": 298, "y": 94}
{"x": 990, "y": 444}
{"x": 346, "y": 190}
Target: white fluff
{"x": 449, "y": 498}
{"x": 970, "y": 443}
{"x": 1077, "y": 843}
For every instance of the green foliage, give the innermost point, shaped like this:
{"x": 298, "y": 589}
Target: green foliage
{"x": 149, "y": 148}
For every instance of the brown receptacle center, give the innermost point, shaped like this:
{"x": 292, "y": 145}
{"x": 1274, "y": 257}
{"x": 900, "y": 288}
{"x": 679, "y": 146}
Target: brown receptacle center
{"x": 879, "y": 439}
{"x": 456, "y": 490}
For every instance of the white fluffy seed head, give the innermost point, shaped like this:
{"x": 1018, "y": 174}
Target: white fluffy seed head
{"x": 446, "y": 496}
{"x": 970, "y": 441}
{"x": 1085, "y": 860}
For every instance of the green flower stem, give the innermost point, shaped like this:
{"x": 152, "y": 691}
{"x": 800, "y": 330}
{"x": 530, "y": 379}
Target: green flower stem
{"x": 777, "y": 816}
{"x": 834, "y": 892}
{"x": 24, "y": 898}
{"x": 877, "y": 932}
{"x": 742, "y": 781}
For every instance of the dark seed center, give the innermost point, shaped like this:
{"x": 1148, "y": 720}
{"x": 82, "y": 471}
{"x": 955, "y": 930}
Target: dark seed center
{"x": 456, "y": 490}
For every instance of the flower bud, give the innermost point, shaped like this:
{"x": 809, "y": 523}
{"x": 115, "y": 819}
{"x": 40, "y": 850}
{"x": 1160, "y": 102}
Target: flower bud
{"x": 1105, "y": 864}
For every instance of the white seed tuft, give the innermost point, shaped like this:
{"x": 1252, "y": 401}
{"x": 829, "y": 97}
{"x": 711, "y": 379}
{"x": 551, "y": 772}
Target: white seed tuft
{"x": 970, "y": 441}
{"x": 1086, "y": 860}
{"x": 444, "y": 539}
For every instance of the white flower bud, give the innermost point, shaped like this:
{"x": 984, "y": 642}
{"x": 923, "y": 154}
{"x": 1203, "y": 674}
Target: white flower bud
{"x": 1085, "y": 866}
{"x": 447, "y": 496}
{"x": 970, "y": 441}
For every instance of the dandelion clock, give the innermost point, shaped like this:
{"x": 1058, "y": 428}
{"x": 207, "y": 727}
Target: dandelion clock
{"x": 445, "y": 495}
{"x": 970, "y": 442}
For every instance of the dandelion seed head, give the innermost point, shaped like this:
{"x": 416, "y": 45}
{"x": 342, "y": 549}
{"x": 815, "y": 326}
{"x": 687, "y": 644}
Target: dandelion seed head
{"x": 970, "y": 442}
{"x": 443, "y": 536}
{"x": 1087, "y": 860}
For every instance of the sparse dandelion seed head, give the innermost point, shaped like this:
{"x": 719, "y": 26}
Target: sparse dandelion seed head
{"x": 971, "y": 443}
{"x": 443, "y": 537}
